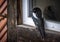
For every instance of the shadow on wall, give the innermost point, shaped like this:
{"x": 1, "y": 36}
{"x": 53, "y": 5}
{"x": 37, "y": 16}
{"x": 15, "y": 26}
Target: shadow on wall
{"x": 50, "y": 13}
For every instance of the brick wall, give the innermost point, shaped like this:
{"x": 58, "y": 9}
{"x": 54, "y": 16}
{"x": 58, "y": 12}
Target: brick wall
{"x": 3, "y": 21}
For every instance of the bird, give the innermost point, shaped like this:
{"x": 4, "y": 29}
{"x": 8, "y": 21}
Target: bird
{"x": 38, "y": 21}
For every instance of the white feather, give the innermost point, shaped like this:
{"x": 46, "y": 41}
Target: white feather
{"x": 35, "y": 15}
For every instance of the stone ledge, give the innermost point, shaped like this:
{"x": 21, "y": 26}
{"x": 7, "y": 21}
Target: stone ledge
{"x": 33, "y": 35}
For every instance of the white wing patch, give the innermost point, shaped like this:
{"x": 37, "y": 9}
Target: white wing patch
{"x": 35, "y": 16}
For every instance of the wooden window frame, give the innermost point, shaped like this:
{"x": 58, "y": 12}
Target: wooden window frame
{"x": 19, "y": 12}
